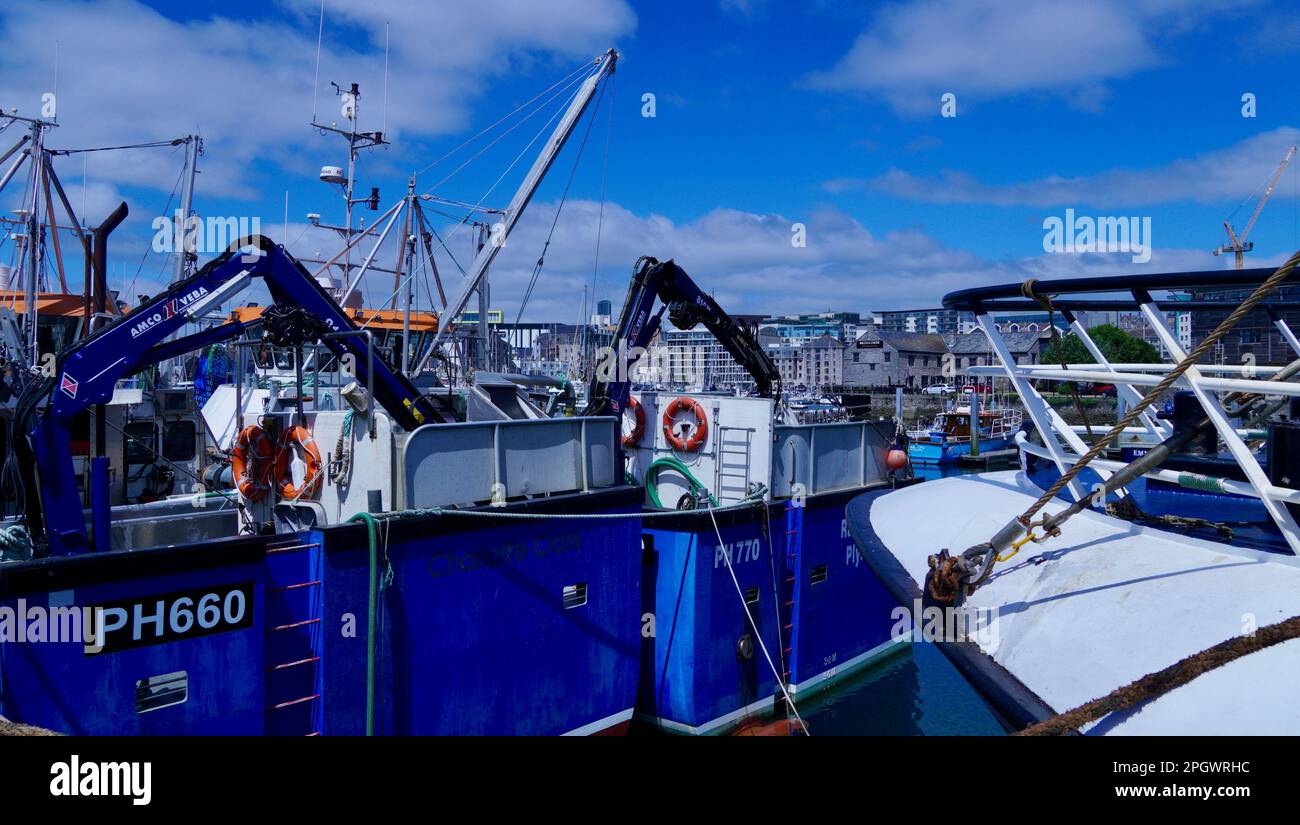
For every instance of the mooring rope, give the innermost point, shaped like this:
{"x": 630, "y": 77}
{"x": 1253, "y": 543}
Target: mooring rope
{"x": 780, "y": 680}
{"x": 1155, "y": 685}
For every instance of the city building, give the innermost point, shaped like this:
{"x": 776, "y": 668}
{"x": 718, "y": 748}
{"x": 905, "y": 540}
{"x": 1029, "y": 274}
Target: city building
{"x": 1254, "y": 337}
{"x": 972, "y": 349}
{"x": 881, "y": 358}
{"x": 938, "y": 321}
{"x": 795, "y": 329}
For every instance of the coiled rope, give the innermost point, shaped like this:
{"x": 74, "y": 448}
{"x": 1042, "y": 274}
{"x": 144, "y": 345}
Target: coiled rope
{"x": 15, "y": 543}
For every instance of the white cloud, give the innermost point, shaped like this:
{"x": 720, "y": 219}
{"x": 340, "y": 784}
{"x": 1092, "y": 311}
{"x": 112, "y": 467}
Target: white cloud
{"x": 914, "y": 52}
{"x": 128, "y": 73}
{"x": 747, "y": 262}
{"x": 1217, "y": 177}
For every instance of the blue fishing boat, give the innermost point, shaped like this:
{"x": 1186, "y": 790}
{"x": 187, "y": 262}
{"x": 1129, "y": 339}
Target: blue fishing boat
{"x": 951, "y": 434}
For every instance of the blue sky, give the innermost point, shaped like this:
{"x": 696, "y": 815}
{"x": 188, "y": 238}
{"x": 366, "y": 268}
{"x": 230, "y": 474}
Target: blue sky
{"x": 823, "y": 113}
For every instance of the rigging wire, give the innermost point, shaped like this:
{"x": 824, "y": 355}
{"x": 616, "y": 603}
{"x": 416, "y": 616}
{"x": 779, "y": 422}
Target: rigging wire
{"x": 443, "y": 244}
{"x": 503, "y": 135}
{"x": 758, "y": 637}
{"x": 150, "y": 145}
{"x": 564, "y": 197}
{"x": 563, "y": 81}
{"x": 148, "y": 248}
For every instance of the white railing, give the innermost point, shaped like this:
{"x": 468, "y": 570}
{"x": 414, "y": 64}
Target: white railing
{"x": 1062, "y": 443}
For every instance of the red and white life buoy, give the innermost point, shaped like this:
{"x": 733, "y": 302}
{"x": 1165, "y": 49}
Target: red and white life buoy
{"x": 633, "y": 438}
{"x": 698, "y": 433}
{"x": 295, "y": 438}
{"x": 251, "y": 458}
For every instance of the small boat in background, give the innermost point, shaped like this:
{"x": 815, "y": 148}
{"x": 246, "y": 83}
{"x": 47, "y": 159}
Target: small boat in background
{"x": 951, "y": 436}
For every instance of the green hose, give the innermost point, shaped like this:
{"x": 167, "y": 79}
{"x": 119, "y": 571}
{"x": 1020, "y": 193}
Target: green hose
{"x": 671, "y": 463}
{"x": 372, "y": 529}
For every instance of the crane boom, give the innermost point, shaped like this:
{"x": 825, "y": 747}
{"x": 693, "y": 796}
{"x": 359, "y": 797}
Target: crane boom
{"x": 1238, "y": 245}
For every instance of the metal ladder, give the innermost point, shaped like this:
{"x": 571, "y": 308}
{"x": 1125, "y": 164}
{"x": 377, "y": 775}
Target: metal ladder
{"x": 741, "y": 449}
{"x": 294, "y": 609}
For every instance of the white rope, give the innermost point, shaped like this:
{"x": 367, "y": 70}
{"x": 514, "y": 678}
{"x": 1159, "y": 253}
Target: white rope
{"x": 789, "y": 700}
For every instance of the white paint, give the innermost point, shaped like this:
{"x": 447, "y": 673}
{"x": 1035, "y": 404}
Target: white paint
{"x": 1111, "y": 603}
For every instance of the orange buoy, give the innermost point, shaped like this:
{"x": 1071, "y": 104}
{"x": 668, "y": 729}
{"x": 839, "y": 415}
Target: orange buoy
{"x": 699, "y": 432}
{"x": 896, "y": 459}
{"x": 295, "y": 438}
{"x": 250, "y": 461}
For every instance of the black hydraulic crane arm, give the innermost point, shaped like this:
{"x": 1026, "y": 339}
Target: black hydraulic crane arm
{"x": 687, "y": 306}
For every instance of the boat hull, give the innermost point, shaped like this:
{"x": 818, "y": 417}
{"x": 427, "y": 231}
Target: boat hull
{"x": 475, "y": 631}
{"x": 829, "y": 619}
{"x": 1094, "y": 609}
{"x": 945, "y": 452}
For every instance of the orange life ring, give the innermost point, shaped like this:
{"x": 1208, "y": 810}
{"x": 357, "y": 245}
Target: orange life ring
{"x": 698, "y": 433}
{"x": 638, "y": 429}
{"x": 299, "y": 436}
{"x": 252, "y": 472}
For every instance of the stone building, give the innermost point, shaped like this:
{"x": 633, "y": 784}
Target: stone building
{"x": 881, "y": 359}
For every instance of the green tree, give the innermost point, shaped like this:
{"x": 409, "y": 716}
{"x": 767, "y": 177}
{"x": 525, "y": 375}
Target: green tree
{"x": 1117, "y": 345}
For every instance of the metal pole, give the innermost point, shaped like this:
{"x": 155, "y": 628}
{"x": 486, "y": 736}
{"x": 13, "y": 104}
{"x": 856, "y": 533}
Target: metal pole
{"x": 484, "y": 358}
{"x": 526, "y": 190}
{"x": 187, "y": 203}
{"x": 101, "y": 303}
{"x": 352, "y": 286}
{"x": 408, "y": 249}
{"x": 33, "y": 246}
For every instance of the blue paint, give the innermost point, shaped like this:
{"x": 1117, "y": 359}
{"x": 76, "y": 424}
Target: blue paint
{"x": 700, "y": 619}
{"x": 939, "y": 450}
{"x": 475, "y": 636}
{"x": 59, "y": 686}
{"x": 841, "y": 611}
{"x": 828, "y": 612}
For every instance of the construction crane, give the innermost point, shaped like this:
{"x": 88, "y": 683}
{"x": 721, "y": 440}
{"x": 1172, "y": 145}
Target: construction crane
{"x": 1239, "y": 245}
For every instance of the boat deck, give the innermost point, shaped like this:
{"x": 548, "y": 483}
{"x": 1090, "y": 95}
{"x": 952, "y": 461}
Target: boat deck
{"x": 1108, "y": 602}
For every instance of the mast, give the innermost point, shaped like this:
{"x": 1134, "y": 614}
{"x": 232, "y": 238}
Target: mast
{"x": 522, "y": 197}
{"x": 357, "y": 140}
{"x": 184, "y": 261}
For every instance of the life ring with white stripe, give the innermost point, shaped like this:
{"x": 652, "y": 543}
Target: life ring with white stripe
{"x": 633, "y": 438}
{"x": 251, "y": 460}
{"x": 698, "y": 433}
{"x": 293, "y": 439}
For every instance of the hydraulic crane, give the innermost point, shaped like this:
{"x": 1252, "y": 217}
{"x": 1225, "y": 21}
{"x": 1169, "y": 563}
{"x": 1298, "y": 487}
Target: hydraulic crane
{"x": 87, "y": 372}
{"x": 687, "y": 306}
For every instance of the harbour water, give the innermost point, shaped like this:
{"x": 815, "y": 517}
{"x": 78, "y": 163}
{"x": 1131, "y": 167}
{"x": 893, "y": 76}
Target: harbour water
{"x": 915, "y": 693}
